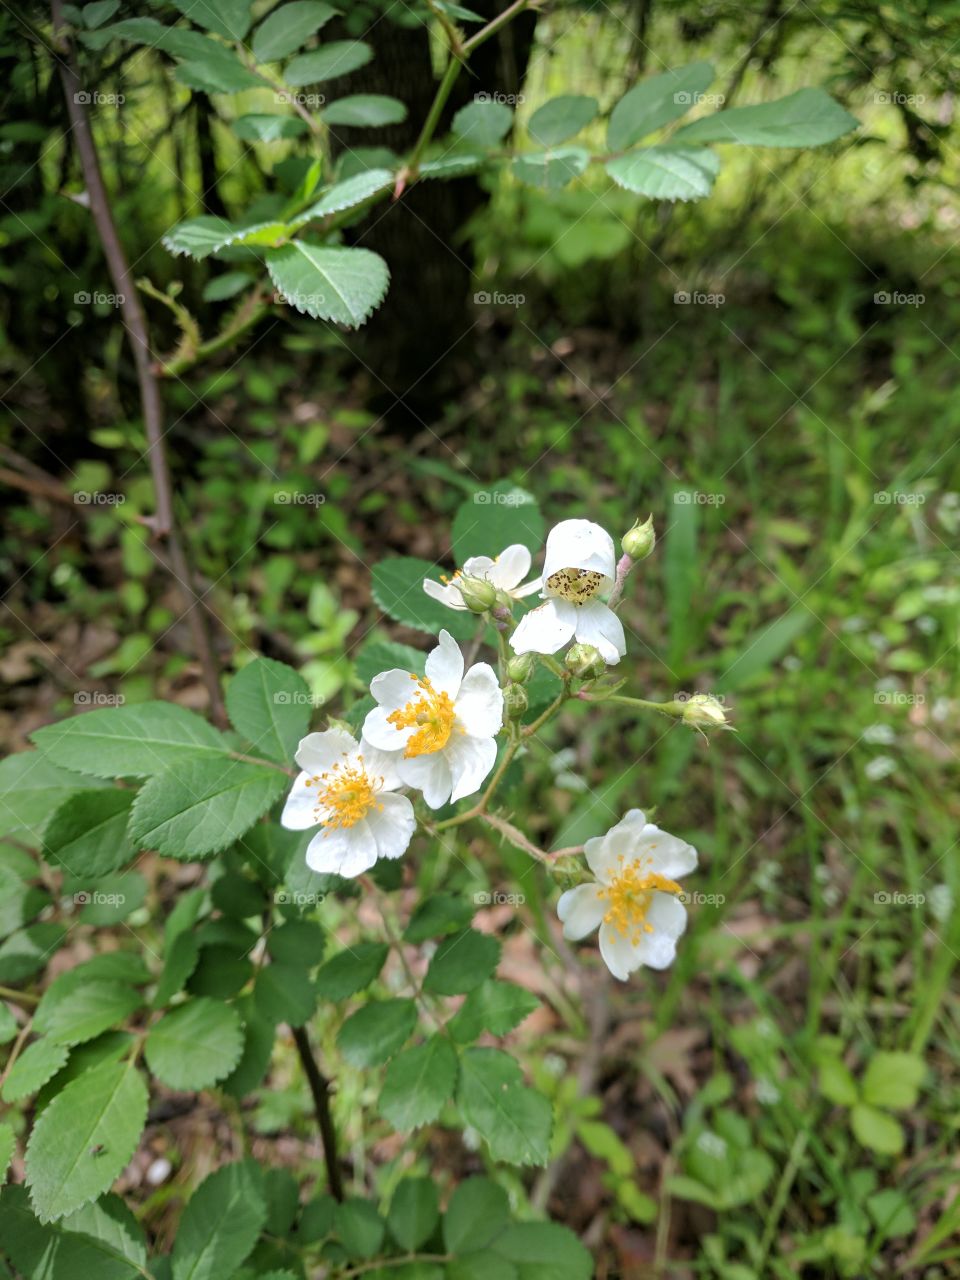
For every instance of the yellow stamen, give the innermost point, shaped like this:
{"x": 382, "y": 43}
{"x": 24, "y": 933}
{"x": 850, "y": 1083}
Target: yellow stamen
{"x": 575, "y": 585}
{"x": 432, "y": 713}
{"x": 629, "y": 896}
{"x": 345, "y": 793}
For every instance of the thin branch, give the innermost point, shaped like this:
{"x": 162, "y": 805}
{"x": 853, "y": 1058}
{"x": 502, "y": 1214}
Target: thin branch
{"x": 320, "y": 1090}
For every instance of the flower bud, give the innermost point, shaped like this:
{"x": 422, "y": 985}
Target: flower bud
{"x": 515, "y": 701}
{"x": 478, "y": 594}
{"x": 638, "y": 542}
{"x": 703, "y": 710}
{"x": 520, "y": 667}
{"x": 585, "y": 661}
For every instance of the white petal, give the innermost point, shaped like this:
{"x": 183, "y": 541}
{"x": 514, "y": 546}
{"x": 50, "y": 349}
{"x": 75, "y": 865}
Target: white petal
{"x": 393, "y": 689}
{"x": 667, "y": 915}
{"x": 598, "y": 625}
{"x": 579, "y": 544}
{"x": 447, "y": 593}
{"x": 580, "y": 911}
{"x": 429, "y": 774}
{"x": 342, "y": 851}
{"x": 619, "y": 954}
{"x": 656, "y": 950}
{"x": 478, "y": 567}
{"x": 470, "y": 760}
{"x": 527, "y": 589}
{"x": 445, "y": 665}
{"x": 318, "y": 752}
{"x": 511, "y": 567}
{"x": 668, "y": 854}
{"x": 381, "y": 764}
{"x": 393, "y": 825}
{"x": 299, "y": 812}
{"x": 380, "y": 733}
{"x": 604, "y": 852}
{"x": 479, "y": 704}
{"x": 545, "y": 629}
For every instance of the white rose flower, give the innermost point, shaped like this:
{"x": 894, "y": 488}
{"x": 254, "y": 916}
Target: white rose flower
{"x": 441, "y": 727}
{"x": 580, "y": 562}
{"x": 634, "y": 898}
{"x": 345, "y": 788}
{"x": 505, "y": 572}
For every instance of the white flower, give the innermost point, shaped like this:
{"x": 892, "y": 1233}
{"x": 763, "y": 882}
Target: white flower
{"x": 345, "y": 788}
{"x": 505, "y": 572}
{"x": 580, "y": 561}
{"x": 441, "y": 727}
{"x": 634, "y": 898}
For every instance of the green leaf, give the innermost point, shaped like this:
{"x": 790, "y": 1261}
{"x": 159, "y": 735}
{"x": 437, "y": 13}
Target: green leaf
{"x": 270, "y": 704}
{"x": 494, "y": 519}
{"x": 338, "y": 58}
{"x": 197, "y": 238}
{"x": 8, "y": 1145}
{"x": 515, "y": 1121}
{"x": 439, "y": 913}
{"x": 101, "y": 1240}
{"x": 418, "y": 1082}
{"x": 561, "y": 118}
{"x": 87, "y": 835}
{"x": 877, "y": 1130}
{"x": 892, "y": 1080}
{"x": 100, "y": 11}
{"x": 195, "y": 1045}
{"x": 8, "y": 1024}
{"x": 765, "y": 647}
{"x": 220, "y": 72}
{"x": 477, "y": 1213}
{"x": 71, "y": 1016}
{"x": 483, "y": 1265}
{"x": 656, "y": 101}
{"x": 375, "y": 1033}
{"x": 284, "y": 993}
{"x": 398, "y": 590}
{"x": 180, "y": 960}
{"x": 349, "y": 193}
{"x": 261, "y": 128}
{"x": 179, "y": 42}
{"x": 350, "y": 971}
{"x": 483, "y": 123}
{"x": 807, "y": 118}
{"x": 38, "y": 1063}
{"x": 230, "y": 18}
{"x": 892, "y": 1213}
{"x": 365, "y": 111}
{"x": 84, "y": 1138}
{"x": 384, "y": 655}
{"x": 289, "y": 27}
{"x": 28, "y": 950}
{"x": 836, "y": 1082}
{"x": 414, "y": 1212}
{"x": 130, "y": 742}
{"x": 342, "y": 285}
{"x": 259, "y": 1038}
{"x": 550, "y": 170}
{"x": 203, "y": 805}
{"x": 220, "y": 1225}
{"x": 666, "y": 173}
{"x": 455, "y": 166}
{"x": 31, "y": 789}
{"x": 544, "y": 1249}
{"x": 461, "y": 962}
{"x": 493, "y": 1006}
{"x": 359, "y": 1227}
{"x": 299, "y": 942}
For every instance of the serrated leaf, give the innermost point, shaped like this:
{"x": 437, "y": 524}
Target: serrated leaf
{"x": 299, "y": 942}
{"x": 349, "y": 193}
{"x": 8, "y": 1144}
{"x": 230, "y": 18}
{"x": 398, "y": 589}
{"x": 385, "y": 655}
{"x": 195, "y": 1045}
{"x": 656, "y": 101}
{"x": 180, "y": 960}
{"x": 494, "y": 519}
{"x": 477, "y": 1213}
{"x": 338, "y": 58}
{"x": 38, "y": 1063}
{"x": 455, "y": 166}
{"x": 100, "y": 1240}
{"x": 84, "y": 1138}
{"x": 28, "y": 950}
{"x": 284, "y": 993}
{"x": 807, "y": 118}
{"x": 550, "y": 170}
{"x": 342, "y": 285}
{"x": 288, "y": 27}
{"x": 666, "y": 173}
{"x": 197, "y": 238}
{"x": 259, "y": 1038}
{"x": 179, "y": 42}
{"x": 483, "y": 123}
{"x": 544, "y": 1249}
{"x": 877, "y": 1130}
{"x": 218, "y": 72}
{"x": 461, "y": 962}
{"x": 359, "y": 1227}
{"x": 110, "y": 1047}
{"x": 561, "y": 118}
{"x": 493, "y": 1006}
{"x": 515, "y": 1121}
{"x": 270, "y": 704}
{"x": 203, "y": 806}
{"x": 350, "y": 971}
{"x": 100, "y": 11}
{"x": 130, "y": 742}
{"x": 263, "y": 128}
{"x": 438, "y": 914}
{"x": 364, "y": 111}
{"x": 414, "y": 1211}
{"x": 892, "y": 1080}
{"x": 70, "y": 1016}
{"x": 418, "y": 1082}
{"x": 220, "y": 1224}
{"x": 87, "y": 835}
{"x": 31, "y": 789}
{"x": 377, "y": 1031}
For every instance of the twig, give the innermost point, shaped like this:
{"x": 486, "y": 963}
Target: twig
{"x": 320, "y": 1089}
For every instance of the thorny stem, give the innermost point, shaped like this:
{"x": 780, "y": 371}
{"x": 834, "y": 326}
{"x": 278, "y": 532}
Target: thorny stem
{"x": 320, "y": 1091}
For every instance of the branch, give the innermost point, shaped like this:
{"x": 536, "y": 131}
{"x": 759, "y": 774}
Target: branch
{"x": 320, "y": 1089}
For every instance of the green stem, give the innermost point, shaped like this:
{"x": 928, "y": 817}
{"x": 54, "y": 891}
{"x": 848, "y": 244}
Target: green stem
{"x": 21, "y": 997}
{"x": 530, "y": 729}
{"x": 433, "y": 115}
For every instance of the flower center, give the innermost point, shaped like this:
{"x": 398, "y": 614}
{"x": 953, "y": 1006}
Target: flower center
{"x": 576, "y": 585}
{"x": 346, "y": 793}
{"x": 629, "y": 895}
{"x": 433, "y": 715}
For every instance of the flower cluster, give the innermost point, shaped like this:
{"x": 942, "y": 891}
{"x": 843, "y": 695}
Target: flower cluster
{"x": 436, "y": 734}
